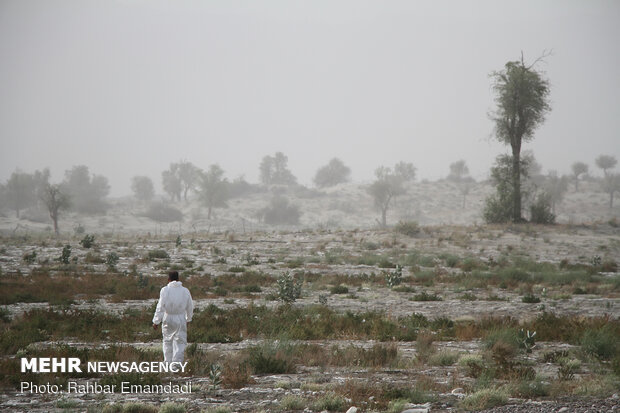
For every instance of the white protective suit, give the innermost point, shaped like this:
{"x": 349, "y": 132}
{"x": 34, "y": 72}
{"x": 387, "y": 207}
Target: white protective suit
{"x": 174, "y": 310}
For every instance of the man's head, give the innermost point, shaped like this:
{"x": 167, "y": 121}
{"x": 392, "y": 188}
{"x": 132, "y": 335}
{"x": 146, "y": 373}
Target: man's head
{"x": 173, "y": 276}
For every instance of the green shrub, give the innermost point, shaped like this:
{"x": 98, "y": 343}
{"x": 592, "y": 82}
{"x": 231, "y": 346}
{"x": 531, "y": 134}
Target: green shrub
{"x": 472, "y": 364}
{"x": 292, "y": 402}
{"x": 339, "y": 289}
{"x": 65, "y": 255}
{"x": 88, "y": 241}
{"x": 271, "y": 358}
{"x": 530, "y": 299}
{"x": 289, "y": 288}
{"x": 484, "y": 399}
{"x": 602, "y": 343}
{"x": 158, "y": 254}
{"x": 408, "y": 228}
{"x": 444, "y": 358}
{"x": 395, "y": 277}
{"x": 568, "y": 368}
{"x": 532, "y": 388}
{"x": 171, "y": 407}
{"x": 424, "y": 296}
{"x": 330, "y": 402}
{"x": 540, "y": 210}
{"x": 111, "y": 260}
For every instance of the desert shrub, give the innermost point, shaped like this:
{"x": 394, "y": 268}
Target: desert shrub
{"x": 67, "y": 403}
{"x": 280, "y": 211}
{"x": 443, "y": 358}
{"x": 65, "y": 255}
{"x": 330, "y": 401}
{"x": 424, "y": 296}
{"x": 158, "y": 254}
{"x": 339, "y": 289}
{"x": 540, "y": 210}
{"x": 602, "y": 343}
{"x": 171, "y": 407}
{"x": 218, "y": 409}
{"x": 292, "y": 402}
{"x": 88, "y": 241}
{"x": 472, "y": 364}
{"x": 568, "y": 368}
{"x": 289, "y": 288}
{"x": 484, "y": 399}
{"x": 424, "y": 345}
{"x": 271, "y": 358}
{"x": 530, "y": 299}
{"x": 111, "y": 260}
{"x": 394, "y": 278}
{"x": 409, "y": 228}
{"x": 236, "y": 373}
{"x": 29, "y": 257}
{"x": 532, "y": 388}
{"x": 162, "y": 212}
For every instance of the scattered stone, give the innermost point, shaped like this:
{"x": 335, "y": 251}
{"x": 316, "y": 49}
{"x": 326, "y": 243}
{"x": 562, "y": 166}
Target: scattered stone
{"x": 563, "y": 409}
{"x": 352, "y": 409}
{"x": 458, "y": 391}
{"x": 416, "y": 410}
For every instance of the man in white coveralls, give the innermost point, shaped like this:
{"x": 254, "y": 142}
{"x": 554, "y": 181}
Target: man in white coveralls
{"x": 174, "y": 310}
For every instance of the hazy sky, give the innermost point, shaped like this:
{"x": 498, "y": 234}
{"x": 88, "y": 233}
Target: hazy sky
{"x": 126, "y": 87}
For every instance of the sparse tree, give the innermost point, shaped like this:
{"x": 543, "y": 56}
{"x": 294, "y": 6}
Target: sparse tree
{"x": 458, "y": 171}
{"x": 87, "y": 192}
{"x": 578, "y": 168}
{"x": 274, "y": 170}
{"x": 384, "y": 189}
{"x": 405, "y": 171}
{"x": 606, "y": 162}
{"x": 189, "y": 174}
{"x": 334, "y": 173}
{"x": 172, "y": 183}
{"x": 55, "y": 201}
{"x": 142, "y": 188}
{"x": 459, "y": 174}
{"x": 214, "y": 189}
{"x": 20, "y": 191}
{"x": 522, "y": 97}
{"x": 555, "y": 186}
{"x": 611, "y": 185}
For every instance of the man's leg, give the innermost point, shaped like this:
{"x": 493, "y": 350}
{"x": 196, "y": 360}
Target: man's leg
{"x": 179, "y": 343}
{"x": 167, "y": 342}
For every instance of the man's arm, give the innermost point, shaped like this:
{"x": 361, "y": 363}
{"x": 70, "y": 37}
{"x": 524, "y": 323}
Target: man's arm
{"x": 189, "y": 307}
{"x": 159, "y": 311}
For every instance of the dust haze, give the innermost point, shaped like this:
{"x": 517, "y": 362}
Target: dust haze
{"x": 128, "y": 87}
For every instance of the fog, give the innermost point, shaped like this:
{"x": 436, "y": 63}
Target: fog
{"x": 127, "y": 87}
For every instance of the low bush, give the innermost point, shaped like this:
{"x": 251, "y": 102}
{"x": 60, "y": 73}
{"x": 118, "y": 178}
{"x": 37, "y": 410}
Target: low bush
{"x": 484, "y": 399}
{"x": 162, "y": 212}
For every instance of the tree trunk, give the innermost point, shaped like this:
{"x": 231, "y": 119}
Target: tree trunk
{"x": 516, "y": 183}
{"x": 576, "y": 184}
{"x": 611, "y": 199}
{"x": 54, "y": 217}
{"x": 384, "y": 217}
{"x": 463, "y": 206}
{"x": 209, "y": 212}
